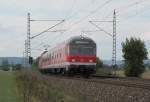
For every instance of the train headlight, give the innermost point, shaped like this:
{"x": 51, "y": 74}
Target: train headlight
{"x": 73, "y": 60}
{"x": 90, "y": 60}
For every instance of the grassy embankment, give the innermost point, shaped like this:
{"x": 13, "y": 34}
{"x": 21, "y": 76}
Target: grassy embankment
{"x": 120, "y": 73}
{"x": 6, "y": 87}
{"x": 34, "y": 87}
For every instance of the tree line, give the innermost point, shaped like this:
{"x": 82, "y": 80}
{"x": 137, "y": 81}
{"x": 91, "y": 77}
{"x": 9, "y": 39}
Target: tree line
{"x": 6, "y": 66}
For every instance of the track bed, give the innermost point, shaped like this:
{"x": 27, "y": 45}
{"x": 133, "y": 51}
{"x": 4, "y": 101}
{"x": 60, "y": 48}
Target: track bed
{"x": 105, "y": 89}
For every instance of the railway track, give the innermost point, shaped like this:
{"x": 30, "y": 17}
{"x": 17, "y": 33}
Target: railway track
{"x": 111, "y": 80}
{"x": 122, "y": 81}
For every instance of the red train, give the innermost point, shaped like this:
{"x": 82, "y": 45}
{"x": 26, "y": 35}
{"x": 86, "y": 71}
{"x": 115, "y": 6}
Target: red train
{"x": 75, "y": 56}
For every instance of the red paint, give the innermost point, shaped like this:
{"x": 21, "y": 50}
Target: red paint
{"x": 80, "y": 58}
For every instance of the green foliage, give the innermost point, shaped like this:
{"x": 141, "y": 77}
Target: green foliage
{"x": 134, "y": 52}
{"x": 17, "y": 67}
{"x": 31, "y": 86}
{"x": 99, "y": 63}
{"x": 5, "y": 65}
{"x": 35, "y": 63}
{"x": 105, "y": 71}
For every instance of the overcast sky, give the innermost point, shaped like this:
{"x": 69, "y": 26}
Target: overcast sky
{"x": 133, "y": 19}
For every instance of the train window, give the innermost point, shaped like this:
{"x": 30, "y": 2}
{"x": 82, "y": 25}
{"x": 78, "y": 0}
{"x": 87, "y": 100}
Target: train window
{"x": 82, "y": 50}
{"x": 74, "y": 50}
{"x": 52, "y": 55}
{"x": 57, "y": 55}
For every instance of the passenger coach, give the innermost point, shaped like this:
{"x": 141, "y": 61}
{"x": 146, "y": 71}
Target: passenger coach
{"x": 75, "y": 56}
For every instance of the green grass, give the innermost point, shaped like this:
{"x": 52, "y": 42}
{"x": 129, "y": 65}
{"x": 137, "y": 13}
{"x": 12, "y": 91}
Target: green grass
{"x": 6, "y": 87}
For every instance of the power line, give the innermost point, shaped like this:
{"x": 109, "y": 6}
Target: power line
{"x": 100, "y": 28}
{"x": 126, "y": 7}
{"x": 138, "y": 13}
{"x": 54, "y": 38}
{"x": 71, "y": 9}
{"x": 112, "y": 35}
{"x": 130, "y": 5}
{"x": 92, "y": 12}
{"x": 82, "y": 9}
{"x": 45, "y": 20}
{"x": 47, "y": 30}
{"x": 84, "y": 31}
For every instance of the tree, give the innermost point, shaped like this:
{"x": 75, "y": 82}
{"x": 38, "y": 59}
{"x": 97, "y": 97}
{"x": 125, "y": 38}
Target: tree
{"x": 99, "y": 63}
{"x": 17, "y": 67}
{"x": 5, "y": 65}
{"x": 134, "y": 52}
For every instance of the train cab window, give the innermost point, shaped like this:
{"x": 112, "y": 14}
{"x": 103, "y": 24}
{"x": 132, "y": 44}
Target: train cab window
{"x": 74, "y": 50}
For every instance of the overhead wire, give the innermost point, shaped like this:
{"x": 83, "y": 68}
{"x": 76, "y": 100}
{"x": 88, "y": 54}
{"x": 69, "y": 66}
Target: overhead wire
{"x": 139, "y": 12}
{"x": 71, "y": 9}
{"x": 92, "y": 12}
{"x": 124, "y": 8}
{"x": 130, "y": 5}
{"x": 95, "y": 10}
{"x": 90, "y": 4}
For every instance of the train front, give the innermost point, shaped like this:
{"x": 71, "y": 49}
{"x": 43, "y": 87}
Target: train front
{"x": 82, "y": 55}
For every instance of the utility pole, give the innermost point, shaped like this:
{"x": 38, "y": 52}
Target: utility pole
{"x": 25, "y": 53}
{"x": 114, "y": 40}
{"x": 27, "y": 42}
{"x": 113, "y": 35}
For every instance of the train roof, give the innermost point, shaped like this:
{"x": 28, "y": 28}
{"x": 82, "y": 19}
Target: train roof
{"x": 78, "y": 38}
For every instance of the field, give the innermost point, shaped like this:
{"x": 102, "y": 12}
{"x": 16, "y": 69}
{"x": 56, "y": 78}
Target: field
{"x": 120, "y": 72}
{"x": 6, "y": 87}
{"x": 145, "y": 75}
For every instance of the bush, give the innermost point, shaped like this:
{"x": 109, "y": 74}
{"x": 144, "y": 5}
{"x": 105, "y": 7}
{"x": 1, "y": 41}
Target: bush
{"x": 5, "y": 68}
{"x": 134, "y": 52}
{"x": 99, "y": 64}
{"x": 33, "y": 87}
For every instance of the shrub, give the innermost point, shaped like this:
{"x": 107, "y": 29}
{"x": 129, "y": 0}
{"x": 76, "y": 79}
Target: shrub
{"x": 134, "y": 52}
